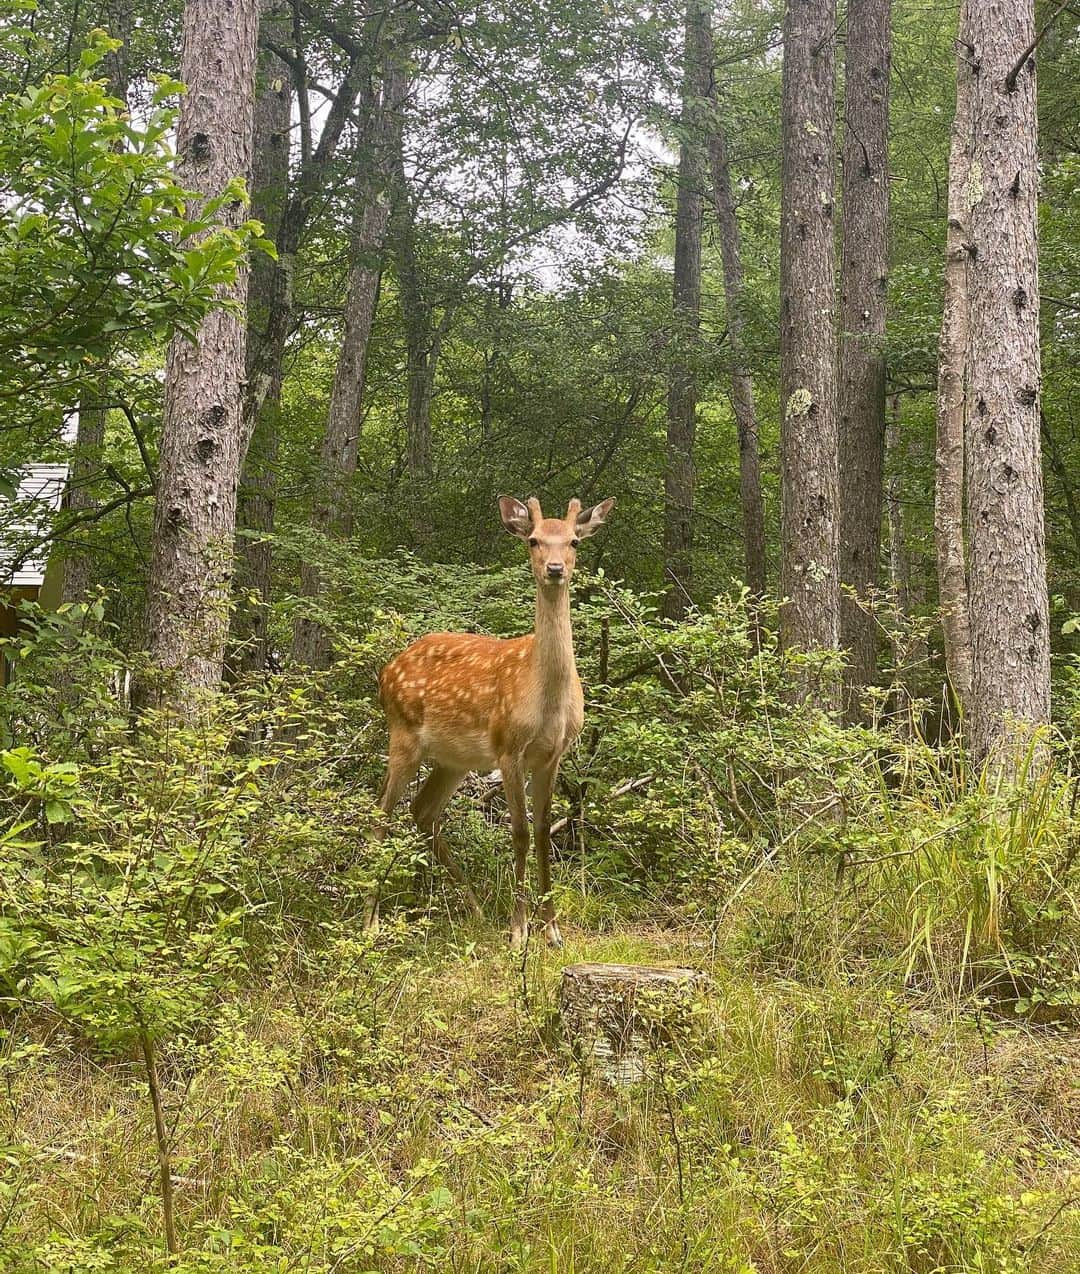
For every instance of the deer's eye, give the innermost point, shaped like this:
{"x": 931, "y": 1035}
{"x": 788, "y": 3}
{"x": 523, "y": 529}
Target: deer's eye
{"x": 533, "y": 541}
{"x": 574, "y": 543}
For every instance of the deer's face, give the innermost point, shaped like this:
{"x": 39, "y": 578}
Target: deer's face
{"x": 552, "y": 542}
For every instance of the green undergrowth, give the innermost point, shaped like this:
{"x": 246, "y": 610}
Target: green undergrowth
{"x": 412, "y": 1104}
{"x": 879, "y": 1074}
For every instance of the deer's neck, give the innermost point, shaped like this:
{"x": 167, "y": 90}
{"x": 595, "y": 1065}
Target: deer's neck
{"x": 554, "y": 649}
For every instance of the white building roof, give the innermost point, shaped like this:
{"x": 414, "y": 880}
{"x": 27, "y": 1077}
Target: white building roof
{"x": 26, "y": 519}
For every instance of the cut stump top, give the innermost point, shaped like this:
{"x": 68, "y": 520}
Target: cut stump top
{"x": 632, "y": 973}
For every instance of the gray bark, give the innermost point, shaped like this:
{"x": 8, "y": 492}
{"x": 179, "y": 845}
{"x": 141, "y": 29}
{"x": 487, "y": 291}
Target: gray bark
{"x": 686, "y": 313}
{"x": 910, "y": 653}
{"x": 952, "y": 382}
{"x": 269, "y": 189}
{"x": 1010, "y": 619}
{"x": 863, "y": 288}
{"x": 267, "y": 342}
{"x": 202, "y": 430}
{"x": 118, "y": 18}
{"x": 742, "y": 389}
{"x": 331, "y": 514}
{"x": 808, "y": 434}
{"x": 309, "y": 184}
{"x": 423, "y": 338}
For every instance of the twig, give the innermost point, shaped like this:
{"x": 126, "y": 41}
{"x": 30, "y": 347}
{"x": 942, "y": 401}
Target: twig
{"x": 631, "y": 785}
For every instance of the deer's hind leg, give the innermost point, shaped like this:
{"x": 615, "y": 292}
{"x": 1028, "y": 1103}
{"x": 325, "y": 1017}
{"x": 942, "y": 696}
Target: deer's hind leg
{"x": 427, "y": 810}
{"x": 401, "y": 767}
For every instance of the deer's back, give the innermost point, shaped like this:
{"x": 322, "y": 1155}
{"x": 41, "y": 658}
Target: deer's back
{"x": 466, "y": 696}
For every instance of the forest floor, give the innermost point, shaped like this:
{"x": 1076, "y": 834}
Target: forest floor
{"x": 411, "y": 1104}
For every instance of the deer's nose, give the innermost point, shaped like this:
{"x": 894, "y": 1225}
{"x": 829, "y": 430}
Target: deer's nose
{"x": 556, "y": 570}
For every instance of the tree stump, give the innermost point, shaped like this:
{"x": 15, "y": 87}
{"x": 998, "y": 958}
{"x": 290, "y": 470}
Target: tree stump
{"x": 614, "y": 1015}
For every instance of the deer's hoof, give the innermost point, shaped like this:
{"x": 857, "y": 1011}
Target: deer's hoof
{"x": 552, "y": 934}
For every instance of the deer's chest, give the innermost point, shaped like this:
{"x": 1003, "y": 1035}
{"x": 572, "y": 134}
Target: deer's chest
{"x": 554, "y": 721}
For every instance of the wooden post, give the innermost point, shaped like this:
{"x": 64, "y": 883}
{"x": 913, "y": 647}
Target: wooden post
{"x": 614, "y": 1015}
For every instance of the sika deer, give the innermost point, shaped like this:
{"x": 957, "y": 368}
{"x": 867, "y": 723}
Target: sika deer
{"x": 465, "y": 702}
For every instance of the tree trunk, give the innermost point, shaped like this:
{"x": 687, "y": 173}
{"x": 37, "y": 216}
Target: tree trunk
{"x": 910, "y": 653}
{"x": 86, "y": 461}
{"x": 808, "y": 434}
{"x": 863, "y": 287}
{"x": 686, "y": 313}
{"x": 422, "y": 341}
{"x": 310, "y": 183}
{"x": 88, "y": 455}
{"x": 1010, "y": 619}
{"x": 202, "y": 429}
{"x": 118, "y": 18}
{"x": 269, "y": 188}
{"x": 742, "y": 389}
{"x": 952, "y": 382}
{"x": 331, "y": 514}
{"x": 268, "y": 340}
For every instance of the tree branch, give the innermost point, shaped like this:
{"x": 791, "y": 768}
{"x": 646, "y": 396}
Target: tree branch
{"x": 1021, "y": 62}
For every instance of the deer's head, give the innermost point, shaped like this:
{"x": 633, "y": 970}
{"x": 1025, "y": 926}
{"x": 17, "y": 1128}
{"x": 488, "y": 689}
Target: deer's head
{"x": 553, "y": 542}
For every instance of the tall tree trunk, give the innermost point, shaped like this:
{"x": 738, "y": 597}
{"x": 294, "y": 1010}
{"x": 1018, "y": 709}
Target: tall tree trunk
{"x": 422, "y": 338}
{"x": 86, "y": 462}
{"x": 910, "y": 653}
{"x": 269, "y": 338}
{"x": 331, "y": 514}
{"x": 742, "y": 389}
{"x": 1010, "y": 611}
{"x": 863, "y": 286}
{"x": 87, "y": 459}
{"x": 952, "y": 381}
{"x": 808, "y": 433}
{"x": 686, "y": 312}
{"x": 202, "y": 429}
{"x": 258, "y": 485}
{"x": 118, "y": 18}
{"x": 309, "y": 184}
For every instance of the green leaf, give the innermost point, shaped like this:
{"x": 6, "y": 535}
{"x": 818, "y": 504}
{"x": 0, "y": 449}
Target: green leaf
{"x": 57, "y": 811}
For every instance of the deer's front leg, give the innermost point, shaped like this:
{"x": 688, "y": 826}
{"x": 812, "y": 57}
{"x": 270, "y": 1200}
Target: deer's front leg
{"x": 543, "y": 786}
{"x": 513, "y": 775}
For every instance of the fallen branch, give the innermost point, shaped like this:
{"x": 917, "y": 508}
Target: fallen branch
{"x": 631, "y": 785}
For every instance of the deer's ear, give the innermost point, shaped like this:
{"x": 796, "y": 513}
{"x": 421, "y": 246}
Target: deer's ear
{"x": 515, "y": 516}
{"x": 589, "y": 521}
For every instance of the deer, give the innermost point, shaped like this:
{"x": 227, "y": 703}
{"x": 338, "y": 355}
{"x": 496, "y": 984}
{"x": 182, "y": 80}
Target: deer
{"x": 466, "y": 702}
